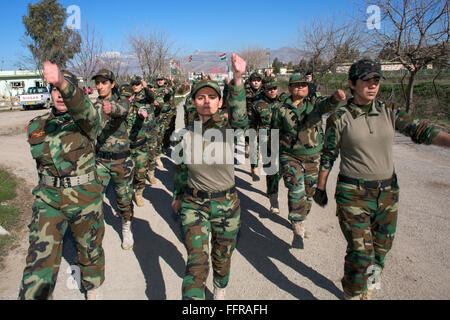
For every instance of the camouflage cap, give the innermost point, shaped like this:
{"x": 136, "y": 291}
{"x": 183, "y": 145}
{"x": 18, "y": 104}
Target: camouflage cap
{"x": 269, "y": 82}
{"x": 126, "y": 90}
{"x": 255, "y": 75}
{"x": 206, "y": 83}
{"x": 70, "y": 77}
{"x": 365, "y": 69}
{"x": 107, "y": 74}
{"x": 160, "y": 77}
{"x": 136, "y": 80}
{"x": 298, "y": 78}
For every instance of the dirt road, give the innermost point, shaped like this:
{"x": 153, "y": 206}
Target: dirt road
{"x": 263, "y": 265}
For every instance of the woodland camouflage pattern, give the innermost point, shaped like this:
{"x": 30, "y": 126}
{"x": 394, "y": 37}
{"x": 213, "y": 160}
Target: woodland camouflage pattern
{"x": 63, "y": 146}
{"x": 222, "y": 214}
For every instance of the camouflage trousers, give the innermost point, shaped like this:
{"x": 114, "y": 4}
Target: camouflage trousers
{"x": 153, "y": 148}
{"x": 121, "y": 172}
{"x": 300, "y": 175}
{"x": 170, "y": 128}
{"x": 368, "y": 220}
{"x": 54, "y": 210}
{"x": 272, "y": 183}
{"x": 140, "y": 157}
{"x": 200, "y": 217}
{"x": 163, "y": 125}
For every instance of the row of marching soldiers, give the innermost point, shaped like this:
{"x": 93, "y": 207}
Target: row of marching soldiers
{"x": 79, "y": 147}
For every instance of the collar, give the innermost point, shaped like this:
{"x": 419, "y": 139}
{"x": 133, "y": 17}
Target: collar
{"x": 356, "y": 111}
{"x": 217, "y": 120}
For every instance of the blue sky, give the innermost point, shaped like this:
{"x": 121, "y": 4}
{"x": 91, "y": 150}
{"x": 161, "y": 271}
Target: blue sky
{"x": 226, "y": 25}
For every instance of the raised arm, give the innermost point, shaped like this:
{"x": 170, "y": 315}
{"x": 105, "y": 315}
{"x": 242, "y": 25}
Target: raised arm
{"x": 237, "y": 101}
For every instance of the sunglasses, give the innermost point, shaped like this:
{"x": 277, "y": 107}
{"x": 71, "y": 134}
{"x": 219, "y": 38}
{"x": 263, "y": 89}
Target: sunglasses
{"x": 272, "y": 89}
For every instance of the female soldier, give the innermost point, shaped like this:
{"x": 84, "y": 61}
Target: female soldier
{"x": 367, "y": 190}
{"x": 299, "y": 120}
{"x": 206, "y": 193}
{"x": 68, "y": 194}
{"x": 113, "y": 149}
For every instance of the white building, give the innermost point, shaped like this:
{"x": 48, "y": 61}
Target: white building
{"x": 13, "y": 83}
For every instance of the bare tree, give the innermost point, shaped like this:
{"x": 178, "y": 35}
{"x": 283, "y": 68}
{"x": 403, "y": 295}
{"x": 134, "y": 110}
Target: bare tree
{"x": 117, "y": 63}
{"x": 417, "y": 34}
{"x": 255, "y": 57}
{"x": 153, "y": 51}
{"x": 329, "y": 44}
{"x": 87, "y": 61}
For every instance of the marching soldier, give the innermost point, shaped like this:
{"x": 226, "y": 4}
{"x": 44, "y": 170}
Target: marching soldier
{"x": 68, "y": 195}
{"x": 300, "y": 123}
{"x": 253, "y": 93}
{"x": 367, "y": 191}
{"x": 205, "y": 194}
{"x": 113, "y": 149}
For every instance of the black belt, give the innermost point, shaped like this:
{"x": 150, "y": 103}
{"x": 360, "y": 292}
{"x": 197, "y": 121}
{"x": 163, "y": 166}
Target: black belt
{"x": 366, "y": 184}
{"x": 112, "y": 155}
{"x": 209, "y": 195}
{"x": 138, "y": 144}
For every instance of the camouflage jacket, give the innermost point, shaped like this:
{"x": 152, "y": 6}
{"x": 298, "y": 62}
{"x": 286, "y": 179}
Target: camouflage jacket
{"x": 378, "y": 124}
{"x": 300, "y": 126}
{"x": 63, "y": 145}
{"x": 252, "y": 96}
{"x": 139, "y": 127}
{"x": 237, "y": 119}
{"x": 263, "y": 109}
{"x": 164, "y": 99}
{"x": 114, "y": 136}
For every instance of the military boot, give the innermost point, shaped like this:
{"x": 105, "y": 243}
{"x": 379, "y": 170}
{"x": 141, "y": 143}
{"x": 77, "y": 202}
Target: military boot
{"x": 94, "y": 295}
{"x": 127, "y": 236}
{"x": 139, "y": 198}
{"x": 151, "y": 178}
{"x": 368, "y": 294}
{"x": 348, "y": 297}
{"x": 255, "y": 174}
{"x": 219, "y": 294}
{"x": 274, "y": 206}
{"x": 299, "y": 234}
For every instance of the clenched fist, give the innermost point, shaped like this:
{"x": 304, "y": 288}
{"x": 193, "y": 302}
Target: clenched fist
{"x": 338, "y": 96}
{"x": 107, "y": 107}
{"x": 53, "y": 75}
{"x": 238, "y": 65}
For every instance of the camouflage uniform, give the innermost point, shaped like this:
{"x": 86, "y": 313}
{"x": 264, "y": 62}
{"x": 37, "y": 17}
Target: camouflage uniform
{"x": 139, "y": 129}
{"x": 166, "y": 114}
{"x": 113, "y": 151}
{"x": 211, "y": 210}
{"x": 63, "y": 147}
{"x": 262, "y": 111}
{"x": 301, "y": 140}
{"x": 367, "y": 208}
{"x": 252, "y": 96}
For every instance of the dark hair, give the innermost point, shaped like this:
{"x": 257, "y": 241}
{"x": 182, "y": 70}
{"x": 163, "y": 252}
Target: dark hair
{"x": 354, "y": 83}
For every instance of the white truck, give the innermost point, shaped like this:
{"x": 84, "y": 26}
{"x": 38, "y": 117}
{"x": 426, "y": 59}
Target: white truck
{"x": 36, "y": 97}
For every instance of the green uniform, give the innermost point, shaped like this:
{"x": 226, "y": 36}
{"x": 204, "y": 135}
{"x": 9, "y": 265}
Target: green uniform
{"x": 114, "y": 156}
{"x": 139, "y": 129}
{"x": 208, "y": 208}
{"x": 68, "y": 196}
{"x": 301, "y": 140}
{"x": 166, "y": 114}
{"x": 367, "y": 191}
{"x": 252, "y": 96}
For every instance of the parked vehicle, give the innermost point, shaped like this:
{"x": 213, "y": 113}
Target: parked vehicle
{"x": 36, "y": 97}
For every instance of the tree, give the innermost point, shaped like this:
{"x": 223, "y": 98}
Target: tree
{"x": 329, "y": 44}
{"x": 86, "y": 62}
{"x": 255, "y": 57}
{"x": 153, "y": 51}
{"x": 417, "y": 34}
{"x": 46, "y": 36}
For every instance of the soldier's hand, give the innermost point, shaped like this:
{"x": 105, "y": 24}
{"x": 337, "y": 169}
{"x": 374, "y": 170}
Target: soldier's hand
{"x": 153, "y": 89}
{"x": 320, "y": 197}
{"x": 156, "y": 103}
{"x": 107, "y": 107}
{"x": 176, "y": 205}
{"x": 132, "y": 97}
{"x": 238, "y": 65}
{"x": 53, "y": 75}
{"x": 143, "y": 113}
{"x": 166, "y": 91}
{"x": 338, "y": 96}
{"x": 144, "y": 84}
